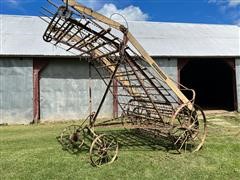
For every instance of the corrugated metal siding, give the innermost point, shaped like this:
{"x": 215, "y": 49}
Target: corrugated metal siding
{"x": 237, "y": 62}
{"x": 169, "y": 66}
{"x": 64, "y": 91}
{"x": 16, "y": 91}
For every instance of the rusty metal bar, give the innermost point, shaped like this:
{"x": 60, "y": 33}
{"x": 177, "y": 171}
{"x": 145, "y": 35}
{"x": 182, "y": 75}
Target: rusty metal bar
{"x": 78, "y": 42}
{"x": 104, "y": 96}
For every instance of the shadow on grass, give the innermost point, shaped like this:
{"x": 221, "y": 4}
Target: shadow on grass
{"x": 128, "y": 140}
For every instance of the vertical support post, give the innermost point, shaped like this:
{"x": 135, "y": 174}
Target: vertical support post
{"x": 115, "y": 98}
{"x": 90, "y": 85}
{"x": 237, "y": 71}
{"x": 231, "y": 64}
{"x": 181, "y": 64}
{"x": 38, "y": 66}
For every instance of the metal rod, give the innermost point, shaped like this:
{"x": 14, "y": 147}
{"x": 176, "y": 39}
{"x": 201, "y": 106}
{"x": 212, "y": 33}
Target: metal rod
{"x": 45, "y": 9}
{"x": 131, "y": 65}
{"x": 50, "y": 2}
{"x": 64, "y": 34}
{"x": 59, "y": 29}
{"x": 104, "y": 96}
{"x": 100, "y": 45}
{"x": 105, "y": 55}
{"x": 43, "y": 19}
{"x": 94, "y": 32}
{"x": 90, "y": 85}
{"x": 78, "y": 42}
{"x": 106, "y": 85}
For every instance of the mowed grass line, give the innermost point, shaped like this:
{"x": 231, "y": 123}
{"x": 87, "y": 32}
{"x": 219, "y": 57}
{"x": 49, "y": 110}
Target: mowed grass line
{"x": 32, "y": 152}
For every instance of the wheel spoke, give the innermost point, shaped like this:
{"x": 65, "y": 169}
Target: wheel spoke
{"x": 106, "y": 153}
{"x": 194, "y": 123}
{"x": 72, "y": 137}
{"x": 110, "y": 144}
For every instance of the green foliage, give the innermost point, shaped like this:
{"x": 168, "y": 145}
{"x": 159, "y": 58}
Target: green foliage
{"x": 33, "y": 152}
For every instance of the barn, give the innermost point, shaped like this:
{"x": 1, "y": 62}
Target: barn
{"x": 39, "y": 81}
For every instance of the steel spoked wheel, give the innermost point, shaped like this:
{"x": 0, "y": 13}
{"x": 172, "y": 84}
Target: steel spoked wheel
{"x": 189, "y": 129}
{"x": 104, "y": 150}
{"x": 72, "y": 138}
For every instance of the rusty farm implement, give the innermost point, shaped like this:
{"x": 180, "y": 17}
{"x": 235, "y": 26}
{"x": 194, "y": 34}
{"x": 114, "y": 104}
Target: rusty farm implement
{"x": 149, "y": 100}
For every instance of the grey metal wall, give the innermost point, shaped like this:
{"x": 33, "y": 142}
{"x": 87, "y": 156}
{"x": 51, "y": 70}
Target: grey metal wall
{"x": 237, "y": 62}
{"x": 16, "y": 91}
{"x": 64, "y": 91}
{"x": 169, "y": 66}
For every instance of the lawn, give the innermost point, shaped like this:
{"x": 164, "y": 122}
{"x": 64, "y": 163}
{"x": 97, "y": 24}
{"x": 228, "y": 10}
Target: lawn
{"x": 32, "y": 152}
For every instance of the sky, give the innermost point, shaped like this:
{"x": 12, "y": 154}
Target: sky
{"x": 187, "y": 11}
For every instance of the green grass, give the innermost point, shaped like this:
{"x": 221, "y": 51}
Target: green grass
{"x": 32, "y": 152}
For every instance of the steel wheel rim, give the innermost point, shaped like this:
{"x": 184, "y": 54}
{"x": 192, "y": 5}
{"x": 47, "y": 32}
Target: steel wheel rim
{"x": 72, "y": 138}
{"x": 189, "y": 134}
{"x": 104, "y": 150}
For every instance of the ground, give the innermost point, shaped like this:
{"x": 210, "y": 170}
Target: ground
{"x": 32, "y": 152}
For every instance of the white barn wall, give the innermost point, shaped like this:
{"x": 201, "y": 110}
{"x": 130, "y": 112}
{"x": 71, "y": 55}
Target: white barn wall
{"x": 16, "y": 91}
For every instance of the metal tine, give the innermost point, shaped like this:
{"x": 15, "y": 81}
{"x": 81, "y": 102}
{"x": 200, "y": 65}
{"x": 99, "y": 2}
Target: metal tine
{"x": 95, "y": 48}
{"x": 113, "y": 36}
{"x": 129, "y": 71}
{"x": 134, "y": 96}
{"x": 94, "y": 38}
{"x": 132, "y": 86}
{"x": 62, "y": 35}
{"x": 59, "y": 29}
{"x": 45, "y": 15}
{"x": 142, "y": 94}
{"x": 73, "y": 35}
{"x": 78, "y": 30}
{"x": 147, "y": 107}
{"x": 48, "y": 11}
{"x": 73, "y": 46}
{"x": 105, "y": 55}
{"x": 142, "y": 116}
{"x": 111, "y": 44}
{"x": 93, "y": 31}
{"x": 45, "y": 9}
{"x": 50, "y": 28}
{"x": 104, "y": 66}
{"x": 54, "y": 23}
{"x": 43, "y": 19}
{"x": 131, "y": 79}
{"x": 124, "y": 75}
{"x": 67, "y": 44}
{"x": 50, "y": 2}
{"x": 48, "y": 16}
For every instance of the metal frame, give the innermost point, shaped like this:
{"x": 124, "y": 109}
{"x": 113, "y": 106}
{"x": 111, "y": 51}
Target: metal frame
{"x": 148, "y": 98}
